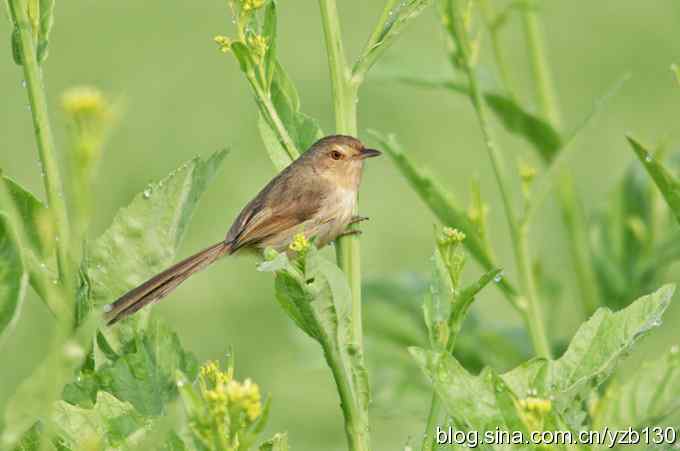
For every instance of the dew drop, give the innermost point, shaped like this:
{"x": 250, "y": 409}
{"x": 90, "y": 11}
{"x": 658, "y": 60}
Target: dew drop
{"x": 180, "y": 384}
{"x": 23, "y": 83}
{"x": 28, "y": 107}
{"x": 498, "y": 277}
{"x": 648, "y": 158}
{"x": 107, "y": 308}
{"x": 147, "y": 193}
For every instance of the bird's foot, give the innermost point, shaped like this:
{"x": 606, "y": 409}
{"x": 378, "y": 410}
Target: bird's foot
{"x": 358, "y": 219}
{"x": 350, "y": 232}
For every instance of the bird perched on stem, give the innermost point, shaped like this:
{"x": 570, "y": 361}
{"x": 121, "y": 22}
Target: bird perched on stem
{"x": 315, "y": 195}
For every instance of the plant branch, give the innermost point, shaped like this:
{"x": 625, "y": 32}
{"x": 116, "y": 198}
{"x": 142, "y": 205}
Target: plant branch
{"x": 348, "y": 252}
{"x": 572, "y": 209}
{"x": 43, "y": 133}
{"x": 518, "y": 229}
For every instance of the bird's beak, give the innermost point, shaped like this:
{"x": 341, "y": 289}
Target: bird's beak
{"x": 369, "y": 153}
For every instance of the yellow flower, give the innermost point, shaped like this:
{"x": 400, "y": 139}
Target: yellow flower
{"x": 223, "y": 42}
{"x": 258, "y": 45}
{"x": 250, "y": 5}
{"x": 245, "y": 396}
{"x": 299, "y": 244}
{"x": 85, "y": 100}
{"x": 451, "y": 236}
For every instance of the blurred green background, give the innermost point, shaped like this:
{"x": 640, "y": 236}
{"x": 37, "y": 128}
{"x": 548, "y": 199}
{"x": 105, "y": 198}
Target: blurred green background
{"x": 184, "y": 98}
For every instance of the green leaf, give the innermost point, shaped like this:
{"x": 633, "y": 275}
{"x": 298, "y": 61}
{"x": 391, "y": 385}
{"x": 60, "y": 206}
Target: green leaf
{"x": 144, "y": 375}
{"x": 315, "y": 295}
{"x": 440, "y": 202}
{"x": 393, "y": 23}
{"x": 13, "y": 278}
{"x": 110, "y": 423}
{"x": 515, "y": 118}
{"x": 533, "y": 128}
{"x": 17, "y": 51}
{"x": 34, "y": 397}
{"x": 269, "y": 33}
{"x": 46, "y": 21}
{"x": 277, "y": 443}
{"x": 144, "y": 236}
{"x": 593, "y": 353}
{"x": 668, "y": 184}
{"x": 276, "y": 151}
{"x": 645, "y": 399}
{"x": 35, "y": 217}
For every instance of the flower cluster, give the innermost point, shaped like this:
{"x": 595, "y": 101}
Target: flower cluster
{"x": 300, "y": 244}
{"x": 533, "y": 410}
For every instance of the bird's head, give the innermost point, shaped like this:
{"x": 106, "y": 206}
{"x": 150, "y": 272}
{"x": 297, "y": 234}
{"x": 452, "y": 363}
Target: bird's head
{"x": 340, "y": 158}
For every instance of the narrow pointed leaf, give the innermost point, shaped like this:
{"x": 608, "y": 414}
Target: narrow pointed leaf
{"x": 668, "y": 184}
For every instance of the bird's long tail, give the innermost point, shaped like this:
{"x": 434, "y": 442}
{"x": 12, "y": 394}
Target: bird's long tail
{"x": 162, "y": 284}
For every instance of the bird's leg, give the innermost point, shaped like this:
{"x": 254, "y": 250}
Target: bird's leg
{"x": 358, "y": 219}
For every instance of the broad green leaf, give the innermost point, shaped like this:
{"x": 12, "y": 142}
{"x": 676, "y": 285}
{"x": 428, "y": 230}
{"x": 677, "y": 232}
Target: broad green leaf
{"x": 143, "y": 375}
{"x": 440, "y": 202}
{"x": 477, "y": 403}
{"x": 668, "y": 184}
{"x": 35, "y": 217}
{"x": 277, "y": 443}
{"x": 13, "y": 278}
{"x": 315, "y": 295}
{"x": 144, "y": 236}
{"x": 593, "y": 352}
{"x": 559, "y": 384}
{"x": 646, "y": 398}
{"x": 242, "y": 54}
{"x": 34, "y": 397}
{"x": 110, "y": 423}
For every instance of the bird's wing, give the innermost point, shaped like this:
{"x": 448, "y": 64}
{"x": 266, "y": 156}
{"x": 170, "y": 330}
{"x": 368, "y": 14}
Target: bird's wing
{"x": 274, "y": 211}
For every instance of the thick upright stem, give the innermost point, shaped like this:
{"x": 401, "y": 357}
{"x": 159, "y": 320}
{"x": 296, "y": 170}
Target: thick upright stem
{"x": 344, "y": 99}
{"x": 43, "y": 133}
{"x": 572, "y": 210}
{"x": 344, "y": 91}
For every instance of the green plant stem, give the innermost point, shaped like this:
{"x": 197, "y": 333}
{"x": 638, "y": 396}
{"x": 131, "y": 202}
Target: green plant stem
{"x": 344, "y": 91}
{"x": 356, "y": 420}
{"x": 518, "y": 230}
{"x": 572, "y": 209}
{"x": 488, "y": 14}
{"x": 43, "y": 133}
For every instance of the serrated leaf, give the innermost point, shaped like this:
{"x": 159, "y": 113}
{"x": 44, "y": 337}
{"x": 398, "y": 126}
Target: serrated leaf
{"x": 110, "y": 423}
{"x": 13, "y": 278}
{"x": 440, "y": 202}
{"x": 144, "y": 375}
{"x": 668, "y": 184}
{"x": 33, "y": 398}
{"x": 144, "y": 236}
{"x": 644, "y": 399}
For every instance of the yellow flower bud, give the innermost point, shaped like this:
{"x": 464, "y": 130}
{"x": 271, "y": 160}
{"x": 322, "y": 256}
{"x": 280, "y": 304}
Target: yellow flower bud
{"x": 251, "y": 5}
{"x": 223, "y": 42}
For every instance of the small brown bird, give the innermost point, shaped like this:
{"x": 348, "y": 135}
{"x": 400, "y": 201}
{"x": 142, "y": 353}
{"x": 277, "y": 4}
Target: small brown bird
{"x": 315, "y": 195}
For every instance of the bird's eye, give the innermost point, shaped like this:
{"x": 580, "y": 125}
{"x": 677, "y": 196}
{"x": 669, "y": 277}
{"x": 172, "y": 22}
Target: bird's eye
{"x": 336, "y": 155}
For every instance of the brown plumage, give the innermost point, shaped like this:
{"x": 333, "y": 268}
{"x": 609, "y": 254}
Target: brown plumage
{"x": 314, "y": 195}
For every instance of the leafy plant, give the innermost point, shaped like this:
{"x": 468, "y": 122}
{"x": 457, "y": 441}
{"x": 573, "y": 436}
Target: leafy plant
{"x": 134, "y": 386}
